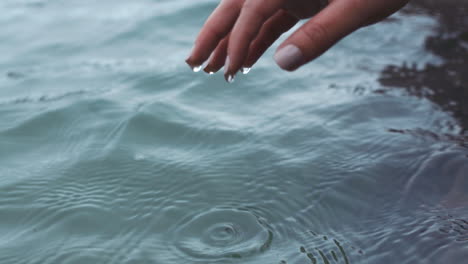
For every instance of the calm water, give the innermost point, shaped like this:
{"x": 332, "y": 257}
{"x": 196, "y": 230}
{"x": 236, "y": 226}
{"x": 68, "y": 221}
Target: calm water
{"x": 113, "y": 151}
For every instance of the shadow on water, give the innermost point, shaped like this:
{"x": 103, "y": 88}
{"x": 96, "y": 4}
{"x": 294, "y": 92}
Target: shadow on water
{"x": 446, "y": 84}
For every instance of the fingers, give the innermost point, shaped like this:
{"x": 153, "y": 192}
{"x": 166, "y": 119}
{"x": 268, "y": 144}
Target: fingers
{"x": 253, "y": 15}
{"x": 316, "y": 36}
{"x": 217, "y": 26}
{"x": 218, "y": 57}
{"x": 337, "y": 20}
{"x": 269, "y": 33}
{"x": 253, "y": 26}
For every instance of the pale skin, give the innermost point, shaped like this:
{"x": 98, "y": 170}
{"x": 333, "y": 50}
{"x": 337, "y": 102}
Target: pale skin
{"x": 238, "y": 32}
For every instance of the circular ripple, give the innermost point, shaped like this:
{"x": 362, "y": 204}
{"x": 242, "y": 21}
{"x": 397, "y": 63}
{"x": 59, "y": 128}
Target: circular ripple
{"x": 222, "y": 233}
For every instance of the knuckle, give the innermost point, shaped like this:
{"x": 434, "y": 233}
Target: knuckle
{"x": 255, "y": 9}
{"x": 361, "y": 4}
{"x": 315, "y": 32}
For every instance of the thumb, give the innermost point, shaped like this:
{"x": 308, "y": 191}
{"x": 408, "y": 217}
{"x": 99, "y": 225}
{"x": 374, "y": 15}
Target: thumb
{"x": 337, "y": 20}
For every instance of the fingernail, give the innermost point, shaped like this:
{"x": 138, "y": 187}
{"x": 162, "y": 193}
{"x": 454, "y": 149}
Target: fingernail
{"x": 289, "y": 57}
{"x": 245, "y": 70}
{"x": 195, "y": 68}
{"x": 188, "y": 61}
{"x": 226, "y": 65}
{"x": 208, "y": 70}
{"x": 228, "y": 76}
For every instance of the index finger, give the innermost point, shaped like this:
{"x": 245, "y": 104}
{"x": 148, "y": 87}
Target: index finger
{"x": 216, "y": 27}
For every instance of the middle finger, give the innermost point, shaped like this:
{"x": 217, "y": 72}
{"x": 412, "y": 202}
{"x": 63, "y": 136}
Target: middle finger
{"x": 253, "y": 15}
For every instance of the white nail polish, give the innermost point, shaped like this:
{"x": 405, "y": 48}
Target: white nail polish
{"x": 245, "y": 70}
{"x": 289, "y": 57}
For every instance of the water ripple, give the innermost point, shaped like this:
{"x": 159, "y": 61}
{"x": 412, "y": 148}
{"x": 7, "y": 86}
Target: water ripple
{"x": 113, "y": 152}
{"x": 218, "y": 234}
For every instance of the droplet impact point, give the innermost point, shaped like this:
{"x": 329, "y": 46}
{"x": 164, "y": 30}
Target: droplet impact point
{"x": 220, "y": 234}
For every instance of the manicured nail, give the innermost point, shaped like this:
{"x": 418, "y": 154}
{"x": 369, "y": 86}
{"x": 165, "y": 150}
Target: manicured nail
{"x": 289, "y": 57}
{"x": 228, "y": 76}
{"x": 195, "y": 68}
{"x": 245, "y": 70}
{"x": 189, "y": 62}
{"x": 190, "y": 54}
{"x": 226, "y": 65}
{"x": 208, "y": 71}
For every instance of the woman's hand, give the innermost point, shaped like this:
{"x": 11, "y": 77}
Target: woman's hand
{"x": 238, "y": 32}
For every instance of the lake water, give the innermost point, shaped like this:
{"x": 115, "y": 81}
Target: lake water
{"x": 113, "y": 151}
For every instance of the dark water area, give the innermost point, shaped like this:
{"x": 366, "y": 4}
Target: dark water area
{"x": 113, "y": 151}
{"x": 446, "y": 84}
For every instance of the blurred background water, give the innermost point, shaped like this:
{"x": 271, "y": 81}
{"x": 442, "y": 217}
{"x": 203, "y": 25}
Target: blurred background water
{"x": 113, "y": 151}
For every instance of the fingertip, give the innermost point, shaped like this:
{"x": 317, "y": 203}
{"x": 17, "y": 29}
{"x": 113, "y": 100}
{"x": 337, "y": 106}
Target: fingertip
{"x": 289, "y": 57}
{"x": 191, "y": 58}
{"x": 189, "y": 62}
{"x": 228, "y": 74}
{"x": 194, "y": 66}
{"x": 209, "y": 70}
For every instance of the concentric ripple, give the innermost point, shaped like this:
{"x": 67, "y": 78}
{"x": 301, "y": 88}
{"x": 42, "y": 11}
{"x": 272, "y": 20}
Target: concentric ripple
{"x": 221, "y": 233}
{"x": 113, "y": 152}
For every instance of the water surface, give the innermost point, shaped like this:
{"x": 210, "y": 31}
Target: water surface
{"x": 112, "y": 151}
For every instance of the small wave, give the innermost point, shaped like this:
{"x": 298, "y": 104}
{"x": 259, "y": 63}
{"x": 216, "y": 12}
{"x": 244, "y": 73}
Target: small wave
{"x": 44, "y": 98}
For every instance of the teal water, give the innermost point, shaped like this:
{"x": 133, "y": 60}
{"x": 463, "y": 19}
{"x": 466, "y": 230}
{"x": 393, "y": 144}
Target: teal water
{"x": 113, "y": 151}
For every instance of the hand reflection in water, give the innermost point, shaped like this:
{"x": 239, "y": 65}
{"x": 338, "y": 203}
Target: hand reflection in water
{"x": 238, "y": 32}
